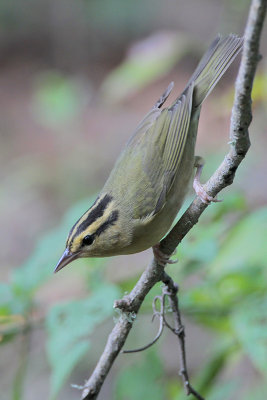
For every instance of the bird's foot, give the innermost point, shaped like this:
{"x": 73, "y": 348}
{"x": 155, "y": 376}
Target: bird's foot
{"x": 161, "y": 257}
{"x": 198, "y": 187}
{"x": 202, "y": 194}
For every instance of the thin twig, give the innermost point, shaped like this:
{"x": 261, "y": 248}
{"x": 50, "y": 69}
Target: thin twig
{"x": 161, "y": 316}
{"x": 130, "y": 303}
{"x": 223, "y": 176}
{"x": 171, "y": 289}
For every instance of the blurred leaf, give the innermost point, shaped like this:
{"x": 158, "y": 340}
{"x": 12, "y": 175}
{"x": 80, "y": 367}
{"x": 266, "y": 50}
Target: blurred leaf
{"x": 204, "y": 305}
{"x": 244, "y": 245}
{"x": 57, "y": 99}
{"x": 221, "y": 356}
{"x": 65, "y": 345}
{"x": 175, "y": 390}
{"x": 147, "y": 60}
{"x": 233, "y": 287}
{"x": 39, "y": 267}
{"x": 259, "y": 91}
{"x": 207, "y": 376}
{"x": 224, "y": 390}
{"x": 69, "y": 326}
{"x": 6, "y": 297}
{"x": 202, "y": 244}
{"x": 233, "y": 203}
{"x": 141, "y": 380}
{"x": 257, "y": 393}
{"x": 10, "y": 325}
{"x": 250, "y": 325}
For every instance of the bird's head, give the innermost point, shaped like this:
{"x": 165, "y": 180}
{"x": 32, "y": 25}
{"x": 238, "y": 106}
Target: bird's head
{"x": 96, "y": 234}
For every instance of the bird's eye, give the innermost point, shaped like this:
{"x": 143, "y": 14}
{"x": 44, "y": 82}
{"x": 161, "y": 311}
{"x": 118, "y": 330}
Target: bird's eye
{"x": 87, "y": 240}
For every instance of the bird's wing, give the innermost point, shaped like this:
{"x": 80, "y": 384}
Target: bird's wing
{"x": 145, "y": 170}
{"x": 164, "y": 146}
{"x": 150, "y": 118}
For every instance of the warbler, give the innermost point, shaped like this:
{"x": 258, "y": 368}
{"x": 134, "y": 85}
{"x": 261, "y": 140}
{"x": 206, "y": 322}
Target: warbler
{"x": 151, "y": 177}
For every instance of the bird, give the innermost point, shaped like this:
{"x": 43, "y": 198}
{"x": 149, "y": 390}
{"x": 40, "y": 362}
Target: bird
{"x": 149, "y": 181}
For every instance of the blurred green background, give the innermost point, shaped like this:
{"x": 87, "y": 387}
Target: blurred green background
{"x": 75, "y": 79}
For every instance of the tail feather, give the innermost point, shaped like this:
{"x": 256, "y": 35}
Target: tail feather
{"x": 213, "y": 65}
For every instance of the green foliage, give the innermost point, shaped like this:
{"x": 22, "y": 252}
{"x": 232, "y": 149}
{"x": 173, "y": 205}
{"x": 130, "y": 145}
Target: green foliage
{"x": 259, "y": 92}
{"x": 231, "y": 273}
{"x": 249, "y": 237}
{"x": 225, "y": 252}
{"x": 224, "y": 391}
{"x": 258, "y": 95}
{"x": 65, "y": 344}
{"x": 141, "y": 380}
{"x": 257, "y": 393}
{"x": 250, "y": 325}
{"x": 69, "y": 326}
{"x": 57, "y": 99}
{"x": 18, "y": 296}
{"x": 207, "y": 377}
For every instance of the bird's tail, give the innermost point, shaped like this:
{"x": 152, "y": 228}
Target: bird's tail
{"x": 213, "y": 65}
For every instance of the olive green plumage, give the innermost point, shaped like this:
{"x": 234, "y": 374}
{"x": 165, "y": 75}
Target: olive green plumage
{"x": 149, "y": 181}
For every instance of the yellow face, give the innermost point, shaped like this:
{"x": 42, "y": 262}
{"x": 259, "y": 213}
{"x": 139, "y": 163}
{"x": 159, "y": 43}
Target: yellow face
{"x": 96, "y": 234}
{"x": 93, "y": 224}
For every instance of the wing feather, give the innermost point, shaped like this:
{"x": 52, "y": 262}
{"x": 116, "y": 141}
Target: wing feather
{"x": 145, "y": 171}
{"x": 178, "y": 129}
{"x": 150, "y": 160}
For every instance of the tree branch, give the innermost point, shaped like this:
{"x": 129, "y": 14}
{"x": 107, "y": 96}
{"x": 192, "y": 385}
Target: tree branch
{"x": 223, "y": 176}
{"x": 171, "y": 289}
{"x": 161, "y": 315}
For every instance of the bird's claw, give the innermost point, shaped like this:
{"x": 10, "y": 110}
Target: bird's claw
{"x": 202, "y": 194}
{"x": 161, "y": 257}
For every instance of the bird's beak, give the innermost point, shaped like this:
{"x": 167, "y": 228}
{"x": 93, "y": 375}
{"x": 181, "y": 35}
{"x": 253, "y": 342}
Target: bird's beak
{"x": 65, "y": 259}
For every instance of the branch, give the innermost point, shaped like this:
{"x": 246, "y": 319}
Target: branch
{"x": 161, "y": 315}
{"x": 171, "y": 289}
{"x": 129, "y": 305}
{"x": 223, "y": 176}
{"x": 239, "y": 136}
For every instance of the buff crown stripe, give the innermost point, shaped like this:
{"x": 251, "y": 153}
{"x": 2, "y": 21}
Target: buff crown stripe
{"x": 90, "y": 216}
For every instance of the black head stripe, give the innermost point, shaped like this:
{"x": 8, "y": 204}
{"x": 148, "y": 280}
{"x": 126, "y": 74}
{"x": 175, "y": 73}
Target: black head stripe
{"x": 74, "y": 226}
{"x": 97, "y": 212}
{"x": 110, "y": 221}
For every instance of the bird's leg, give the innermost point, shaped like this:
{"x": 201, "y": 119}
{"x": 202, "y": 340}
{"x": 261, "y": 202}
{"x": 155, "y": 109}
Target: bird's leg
{"x": 198, "y": 187}
{"x": 161, "y": 257}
